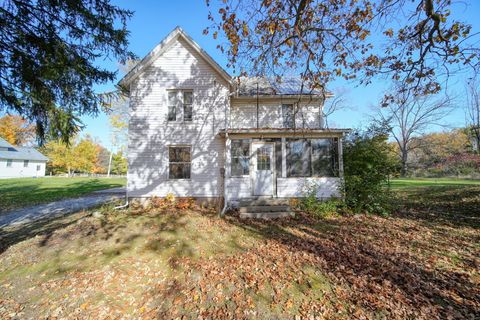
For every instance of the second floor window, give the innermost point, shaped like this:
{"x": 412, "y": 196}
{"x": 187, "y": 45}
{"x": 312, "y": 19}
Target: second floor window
{"x": 288, "y": 117}
{"x": 180, "y": 105}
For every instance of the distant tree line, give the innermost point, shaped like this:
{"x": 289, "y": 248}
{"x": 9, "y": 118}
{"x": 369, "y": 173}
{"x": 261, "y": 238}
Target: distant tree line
{"x": 80, "y": 155}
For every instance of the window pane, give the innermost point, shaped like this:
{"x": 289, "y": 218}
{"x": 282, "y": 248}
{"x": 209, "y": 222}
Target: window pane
{"x": 179, "y": 171}
{"x": 172, "y": 113}
{"x": 287, "y": 111}
{"x": 298, "y": 158}
{"x": 324, "y": 157}
{"x": 172, "y": 103}
{"x": 240, "y": 150}
{"x": 172, "y": 97}
{"x": 179, "y": 154}
{"x": 263, "y": 158}
{"x": 188, "y": 97}
{"x": 187, "y": 112}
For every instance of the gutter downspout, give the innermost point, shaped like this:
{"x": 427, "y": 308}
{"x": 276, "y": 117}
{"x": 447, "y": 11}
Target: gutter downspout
{"x": 225, "y": 202}
{"x": 126, "y": 200}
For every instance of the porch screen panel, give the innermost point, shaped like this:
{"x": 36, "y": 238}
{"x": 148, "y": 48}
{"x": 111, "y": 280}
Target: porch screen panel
{"x": 240, "y": 151}
{"x": 325, "y": 157}
{"x": 298, "y": 158}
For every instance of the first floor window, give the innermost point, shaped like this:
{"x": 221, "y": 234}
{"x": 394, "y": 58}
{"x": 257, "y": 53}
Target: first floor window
{"x": 240, "y": 150}
{"x": 179, "y": 159}
{"x": 38, "y": 167}
{"x": 9, "y": 163}
{"x": 312, "y": 157}
{"x": 25, "y": 163}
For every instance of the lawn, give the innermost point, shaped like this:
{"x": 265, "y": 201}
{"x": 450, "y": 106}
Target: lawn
{"x": 430, "y": 182}
{"x": 22, "y": 192}
{"x": 420, "y": 263}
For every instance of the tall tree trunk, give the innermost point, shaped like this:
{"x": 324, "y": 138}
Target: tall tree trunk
{"x": 110, "y": 163}
{"x": 404, "y": 160}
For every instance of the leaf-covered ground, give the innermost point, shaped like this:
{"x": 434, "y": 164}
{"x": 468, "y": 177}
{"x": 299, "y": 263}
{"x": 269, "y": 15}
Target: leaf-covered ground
{"x": 422, "y": 262}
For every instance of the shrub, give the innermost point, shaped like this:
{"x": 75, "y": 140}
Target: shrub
{"x": 368, "y": 163}
{"x": 314, "y": 206}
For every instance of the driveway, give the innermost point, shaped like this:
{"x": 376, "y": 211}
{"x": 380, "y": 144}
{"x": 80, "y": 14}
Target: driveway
{"x": 60, "y": 208}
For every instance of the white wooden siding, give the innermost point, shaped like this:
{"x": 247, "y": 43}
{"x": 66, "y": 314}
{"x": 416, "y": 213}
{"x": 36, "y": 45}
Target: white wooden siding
{"x": 297, "y": 187}
{"x": 150, "y": 134}
{"x": 17, "y": 170}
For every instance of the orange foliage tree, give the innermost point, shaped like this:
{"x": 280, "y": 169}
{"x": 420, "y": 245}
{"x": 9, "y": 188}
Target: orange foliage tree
{"x": 16, "y": 130}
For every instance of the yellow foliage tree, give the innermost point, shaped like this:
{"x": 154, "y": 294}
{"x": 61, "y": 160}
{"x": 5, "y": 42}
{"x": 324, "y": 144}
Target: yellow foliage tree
{"x": 80, "y": 156}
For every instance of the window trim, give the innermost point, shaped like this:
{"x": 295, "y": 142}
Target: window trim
{"x": 169, "y": 162}
{"x": 249, "y": 141}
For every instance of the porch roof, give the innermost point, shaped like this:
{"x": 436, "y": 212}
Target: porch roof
{"x": 285, "y": 132}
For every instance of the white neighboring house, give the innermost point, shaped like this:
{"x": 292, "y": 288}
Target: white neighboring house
{"x": 195, "y": 131}
{"x": 20, "y": 162}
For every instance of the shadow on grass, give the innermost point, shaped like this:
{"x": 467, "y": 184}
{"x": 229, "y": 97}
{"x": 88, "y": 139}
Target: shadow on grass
{"x": 353, "y": 253}
{"x": 10, "y": 236}
{"x": 455, "y": 206}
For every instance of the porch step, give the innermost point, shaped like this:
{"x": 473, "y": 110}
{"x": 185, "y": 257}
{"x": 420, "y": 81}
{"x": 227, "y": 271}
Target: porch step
{"x": 264, "y": 209}
{"x": 264, "y": 202}
{"x": 266, "y": 215}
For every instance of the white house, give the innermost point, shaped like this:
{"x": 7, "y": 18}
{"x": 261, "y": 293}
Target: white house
{"x": 18, "y": 162}
{"x": 197, "y": 132}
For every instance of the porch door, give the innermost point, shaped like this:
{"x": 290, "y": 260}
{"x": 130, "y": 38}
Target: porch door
{"x": 263, "y": 168}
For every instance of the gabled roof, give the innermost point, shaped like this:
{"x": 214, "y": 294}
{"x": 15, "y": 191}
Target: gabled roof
{"x": 20, "y": 153}
{"x": 161, "y": 48}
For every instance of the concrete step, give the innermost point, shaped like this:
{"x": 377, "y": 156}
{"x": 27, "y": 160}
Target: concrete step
{"x": 266, "y": 215}
{"x": 264, "y": 202}
{"x": 264, "y": 209}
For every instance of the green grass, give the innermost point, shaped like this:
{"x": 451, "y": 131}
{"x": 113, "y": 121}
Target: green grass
{"x": 23, "y": 192}
{"x": 407, "y": 183}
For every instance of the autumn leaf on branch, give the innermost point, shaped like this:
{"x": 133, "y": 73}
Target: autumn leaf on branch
{"x": 420, "y": 43}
